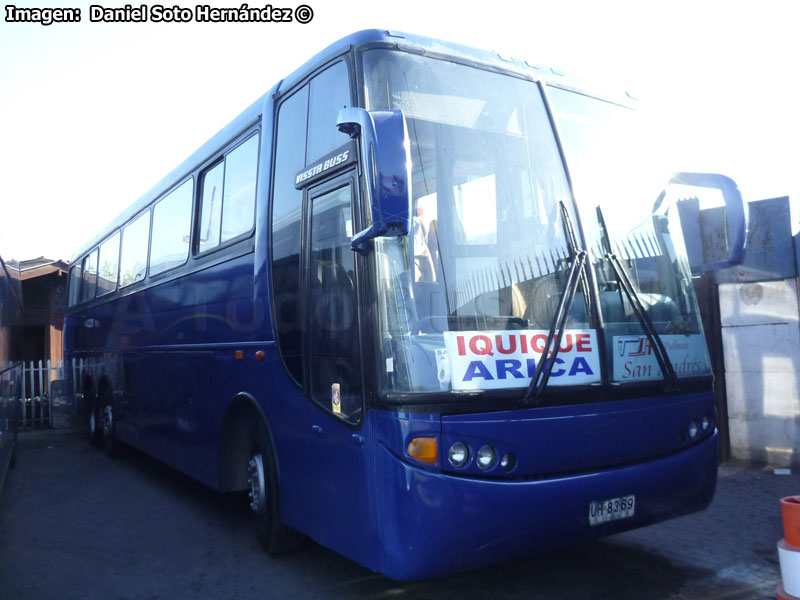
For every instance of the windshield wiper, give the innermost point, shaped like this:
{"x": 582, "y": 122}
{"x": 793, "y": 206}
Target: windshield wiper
{"x": 576, "y": 274}
{"x": 626, "y": 285}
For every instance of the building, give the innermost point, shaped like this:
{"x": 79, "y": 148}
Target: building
{"x": 10, "y": 314}
{"x": 44, "y": 287}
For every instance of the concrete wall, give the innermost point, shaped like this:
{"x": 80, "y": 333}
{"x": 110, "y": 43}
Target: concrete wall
{"x": 761, "y": 342}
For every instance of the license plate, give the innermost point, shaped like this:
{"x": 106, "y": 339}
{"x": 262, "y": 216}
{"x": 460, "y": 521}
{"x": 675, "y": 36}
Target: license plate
{"x": 603, "y": 511}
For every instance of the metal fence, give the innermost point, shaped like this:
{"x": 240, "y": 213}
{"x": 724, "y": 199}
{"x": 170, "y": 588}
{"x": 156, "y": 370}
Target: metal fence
{"x": 42, "y": 386}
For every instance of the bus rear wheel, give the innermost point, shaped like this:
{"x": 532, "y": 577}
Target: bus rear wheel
{"x": 275, "y": 537}
{"x": 94, "y": 420}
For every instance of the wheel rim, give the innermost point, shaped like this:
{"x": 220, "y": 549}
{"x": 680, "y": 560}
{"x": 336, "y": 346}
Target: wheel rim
{"x": 258, "y": 488}
{"x": 108, "y": 420}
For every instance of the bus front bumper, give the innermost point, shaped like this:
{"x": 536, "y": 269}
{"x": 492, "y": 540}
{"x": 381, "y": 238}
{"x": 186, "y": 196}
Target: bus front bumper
{"x": 432, "y": 523}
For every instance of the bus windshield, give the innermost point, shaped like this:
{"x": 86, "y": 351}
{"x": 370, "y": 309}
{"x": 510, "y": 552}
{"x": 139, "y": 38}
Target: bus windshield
{"x": 617, "y": 175}
{"x": 467, "y": 298}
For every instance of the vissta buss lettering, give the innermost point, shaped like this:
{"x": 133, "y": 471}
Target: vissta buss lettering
{"x": 323, "y": 166}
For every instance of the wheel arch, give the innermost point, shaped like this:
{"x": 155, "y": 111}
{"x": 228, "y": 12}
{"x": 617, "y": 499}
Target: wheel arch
{"x": 237, "y": 435}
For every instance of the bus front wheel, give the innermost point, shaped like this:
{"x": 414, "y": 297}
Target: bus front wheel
{"x": 275, "y": 537}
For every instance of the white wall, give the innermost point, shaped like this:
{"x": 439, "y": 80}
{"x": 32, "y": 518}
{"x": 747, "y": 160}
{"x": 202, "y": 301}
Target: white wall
{"x": 761, "y": 341}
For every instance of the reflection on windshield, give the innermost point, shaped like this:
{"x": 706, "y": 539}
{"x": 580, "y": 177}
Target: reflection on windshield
{"x": 611, "y": 168}
{"x": 487, "y": 255}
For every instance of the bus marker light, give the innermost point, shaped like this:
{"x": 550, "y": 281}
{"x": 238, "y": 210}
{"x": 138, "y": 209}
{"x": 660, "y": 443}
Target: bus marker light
{"x": 458, "y": 455}
{"x": 239, "y": 355}
{"x": 507, "y": 462}
{"x": 424, "y": 449}
{"x": 260, "y": 354}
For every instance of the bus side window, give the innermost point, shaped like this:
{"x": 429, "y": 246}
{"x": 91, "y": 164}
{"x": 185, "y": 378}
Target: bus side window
{"x": 228, "y": 197}
{"x": 172, "y": 219}
{"x": 210, "y": 208}
{"x": 108, "y": 266}
{"x": 133, "y": 259}
{"x": 287, "y": 216}
{"x": 89, "y": 276}
{"x": 306, "y": 130}
{"x": 75, "y": 285}
{"x": 330, "y": 92}
{"x": 239, "y": 197}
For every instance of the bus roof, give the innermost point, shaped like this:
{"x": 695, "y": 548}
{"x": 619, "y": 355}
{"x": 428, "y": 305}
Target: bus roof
{"x": 404, "y": 41}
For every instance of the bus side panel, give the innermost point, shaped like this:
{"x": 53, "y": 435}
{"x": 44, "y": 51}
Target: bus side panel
{"x": 89, "y": 336}
{"x": 180, "y": 340}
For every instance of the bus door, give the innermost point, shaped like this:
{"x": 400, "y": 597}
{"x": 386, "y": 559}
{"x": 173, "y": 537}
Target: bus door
{"x": 336, "y": 446}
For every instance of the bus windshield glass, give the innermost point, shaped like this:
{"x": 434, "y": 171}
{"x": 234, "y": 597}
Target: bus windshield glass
{"x": 617, "y": 176}
{"x": 466, "y": 300}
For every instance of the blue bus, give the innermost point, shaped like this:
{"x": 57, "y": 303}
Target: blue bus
{"x": 428, "y": 306}
{"x": 10, "y": 373}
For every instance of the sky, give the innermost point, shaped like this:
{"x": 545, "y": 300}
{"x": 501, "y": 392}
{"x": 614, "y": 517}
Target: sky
{"x": 94, "y": 114}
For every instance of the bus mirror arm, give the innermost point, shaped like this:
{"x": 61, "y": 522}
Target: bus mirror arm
{"x": 385, "y": 152}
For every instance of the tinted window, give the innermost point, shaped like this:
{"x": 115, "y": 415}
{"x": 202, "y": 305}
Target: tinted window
{"x": 133, "y": 260}
{"x": 333, "y": 340}
{"x": 89, "y": 276}
{"x": 210, "y": 208}
{"x": 330, "y": 92}
{"x": 172, "y": 218}
{"x": 74, "y": 285}
{"x": 239, "y": 203}
{"x": 287, "y": 213}
{"x": 108, "y": 266}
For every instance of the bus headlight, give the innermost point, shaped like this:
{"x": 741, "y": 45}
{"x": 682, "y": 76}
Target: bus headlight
{"x": 458, "y": 455}
{"x": 486, "y": 457}
{"x": 693, "y": 429}
{"x": 705, "y": 423}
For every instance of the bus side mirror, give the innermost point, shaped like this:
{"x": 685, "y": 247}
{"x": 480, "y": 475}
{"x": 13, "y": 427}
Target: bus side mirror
{"x": 716, "y": 238}
{"x": 386, "y": 156}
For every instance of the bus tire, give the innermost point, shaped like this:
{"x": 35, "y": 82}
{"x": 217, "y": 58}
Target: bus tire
{"x": 93, "y": 418}
{"x": 274, "y": 536}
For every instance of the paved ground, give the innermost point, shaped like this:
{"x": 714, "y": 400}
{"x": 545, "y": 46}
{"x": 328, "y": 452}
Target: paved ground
{"x": 77, "y": 524}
